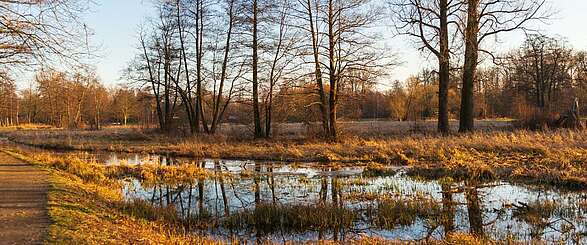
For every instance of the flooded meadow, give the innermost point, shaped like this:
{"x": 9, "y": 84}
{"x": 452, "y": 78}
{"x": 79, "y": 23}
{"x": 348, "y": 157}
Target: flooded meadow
{"x": 268, "y": 201}
{"x": 278, "y": 202}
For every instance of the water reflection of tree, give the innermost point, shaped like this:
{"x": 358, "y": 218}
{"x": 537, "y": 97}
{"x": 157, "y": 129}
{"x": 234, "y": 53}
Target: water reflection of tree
{"x": 330, "y": 192}
{"x": 256, "y": 186}
{"x": 201, "y": 190}
{"x": 474, "y": 208}
{"x": 220, "y": 178}
{"x": 271, "y": 183}
{"x": 448, "y": 208}
{"x": 323, "y": 190}
{"x": 541, "y": 215}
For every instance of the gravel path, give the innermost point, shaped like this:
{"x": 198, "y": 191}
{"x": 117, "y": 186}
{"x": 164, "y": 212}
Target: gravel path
{"x": 23, "y": 202}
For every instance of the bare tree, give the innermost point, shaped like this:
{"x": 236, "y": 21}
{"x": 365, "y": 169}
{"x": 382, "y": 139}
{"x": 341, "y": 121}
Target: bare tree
{"x": 218, "y": 108}
{"x": 309, "y": 13}
{"x": 36, "y": 32}
{"x": 159, "y": 66}
{"x": 254, "y": 20}
{"x": 487, "y": 18}
{"x": 429, "y": 22}
{"x": 282, "y": 54}
{"x": 350, "y": 49}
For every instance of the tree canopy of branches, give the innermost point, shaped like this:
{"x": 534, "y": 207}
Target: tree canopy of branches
{"x": 249, "y": 49}
{"x": 40, "y": 31}
{"x": 487, "y": 18}
{"x": 431, "y": 22}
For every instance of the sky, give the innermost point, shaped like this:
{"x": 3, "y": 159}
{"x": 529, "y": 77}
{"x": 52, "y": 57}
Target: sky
{"x": 116, "y": 24}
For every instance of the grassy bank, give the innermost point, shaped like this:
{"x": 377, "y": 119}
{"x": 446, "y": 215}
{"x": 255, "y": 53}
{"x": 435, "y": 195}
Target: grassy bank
{"x": 87, "y": 208}
{"x": 555, "y": 158}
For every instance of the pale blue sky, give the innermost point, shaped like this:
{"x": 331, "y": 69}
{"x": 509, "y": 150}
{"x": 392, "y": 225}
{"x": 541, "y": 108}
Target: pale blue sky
{"x": 116, "y": 23}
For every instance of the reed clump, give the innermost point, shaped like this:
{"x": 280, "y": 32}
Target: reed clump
{"x": 390, "y": 213}
{"x": 148, "y": 174}
{"x": 296, "y": 218}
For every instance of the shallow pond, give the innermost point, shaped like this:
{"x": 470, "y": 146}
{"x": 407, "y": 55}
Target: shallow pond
{"x": 250, "y": 201}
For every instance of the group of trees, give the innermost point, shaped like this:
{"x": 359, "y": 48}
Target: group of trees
{"x": 74, "y": 101}
{"x": 544, "y": 75}
{"x": 200, "y": 63}
{"x": 33, "y": 33}
{"x": 446, "y": 28}
{"x": 201, "y": 55}
{"x": 8, "y": 101}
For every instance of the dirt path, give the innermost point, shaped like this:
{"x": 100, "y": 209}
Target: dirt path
{"x": 23, "y": 202}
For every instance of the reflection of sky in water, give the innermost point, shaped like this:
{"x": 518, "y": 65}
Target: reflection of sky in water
{"x": 303, "y": 185}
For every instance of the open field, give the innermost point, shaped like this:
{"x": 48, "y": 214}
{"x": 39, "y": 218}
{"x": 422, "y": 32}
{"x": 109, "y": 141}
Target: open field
{"x": 364, "y": 129}
{"x": 284, "y": 131}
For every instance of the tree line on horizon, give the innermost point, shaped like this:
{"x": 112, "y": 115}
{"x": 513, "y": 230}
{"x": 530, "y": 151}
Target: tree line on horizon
{"x": 201, "y": 63}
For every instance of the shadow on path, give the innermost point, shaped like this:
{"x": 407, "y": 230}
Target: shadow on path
{"x": 23, "y": 202}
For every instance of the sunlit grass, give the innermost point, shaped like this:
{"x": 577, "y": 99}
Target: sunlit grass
{"x": 85, "y": 212}
{"x": 554, "y": 158}
{"x": 294, "y": 218}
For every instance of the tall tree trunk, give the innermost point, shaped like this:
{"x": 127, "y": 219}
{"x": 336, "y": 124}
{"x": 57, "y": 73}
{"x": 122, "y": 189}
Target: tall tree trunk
{"x": 217, "y": 102}
{"x": 444, "y": 70}
{"x": 198, "y": 110}
{"x": 199, "y": 67}
{"x": 256, "y": 112}
{"x": 467, "y": 116}
{"x": 318, "y": 72}
{"x": 333, "y": 71}
{"x": 187, "y": 94}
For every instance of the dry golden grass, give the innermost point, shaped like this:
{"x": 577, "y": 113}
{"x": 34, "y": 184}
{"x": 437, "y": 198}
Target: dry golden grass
{"x": 86, "y": 207}
{"x": 87, "y": 213}
{"x": 551, "y": 157}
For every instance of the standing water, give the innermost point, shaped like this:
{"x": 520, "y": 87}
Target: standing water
{"x": 258, "y": 201}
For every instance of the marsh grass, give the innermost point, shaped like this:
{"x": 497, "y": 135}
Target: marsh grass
{"x": 554, "y": 158}
{"x": 390, "y": 213}
{"x": 146, "y": 210}
{"x": 148, "y": 174}
{"x": 86, "y": 207}
{"x": 85, "y": 212}
{"x": 296, "y": 218}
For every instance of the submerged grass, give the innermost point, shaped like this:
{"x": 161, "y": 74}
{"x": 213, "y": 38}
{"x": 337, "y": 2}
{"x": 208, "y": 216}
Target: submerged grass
{"x": 391, "y": 213}
{"x": 296, "y": 218}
